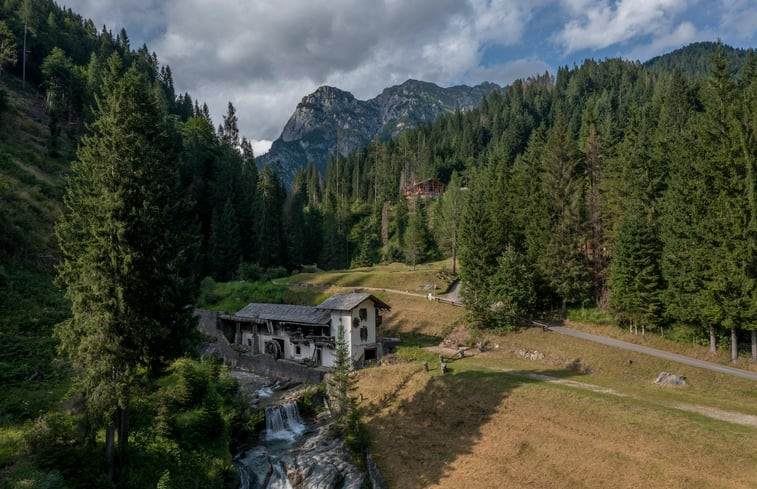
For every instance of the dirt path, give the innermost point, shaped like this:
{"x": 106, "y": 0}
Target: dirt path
{"x": 710, "y": 412}
{"x": 453, "y": 296}
{"x": 674, "y": 357}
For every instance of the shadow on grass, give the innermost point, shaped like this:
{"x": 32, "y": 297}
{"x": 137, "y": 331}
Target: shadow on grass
{"x": 439, "y": 423}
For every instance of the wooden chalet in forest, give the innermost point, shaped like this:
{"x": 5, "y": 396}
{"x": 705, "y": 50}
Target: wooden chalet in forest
{"x": 430, "y": 187}
{"x": 308, "y": 334}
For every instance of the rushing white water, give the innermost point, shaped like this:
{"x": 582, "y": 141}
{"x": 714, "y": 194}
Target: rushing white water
{"x": 279, "y": 479}
{"x": 283, "y": 423}
{"x": 265, "y": 392}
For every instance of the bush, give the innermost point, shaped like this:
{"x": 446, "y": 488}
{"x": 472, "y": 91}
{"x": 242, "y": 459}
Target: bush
{"x": 251, "y": 272}
{"x": 275, "y": 272}
{"x": 33, "y": 478}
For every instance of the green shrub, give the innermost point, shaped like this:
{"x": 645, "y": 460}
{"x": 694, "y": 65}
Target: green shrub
{"x": 251, "y": 272}
{"x": 33, "y": 478}
{"x": 275, "y": 272}
{"x": 593, "y": 315}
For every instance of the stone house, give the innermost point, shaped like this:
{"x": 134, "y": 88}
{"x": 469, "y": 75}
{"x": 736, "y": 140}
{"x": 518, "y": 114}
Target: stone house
{"x": 308, "y": 334}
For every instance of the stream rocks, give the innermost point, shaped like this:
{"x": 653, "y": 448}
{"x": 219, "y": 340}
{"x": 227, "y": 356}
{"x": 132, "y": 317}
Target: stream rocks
{"x": 321, "y": 462}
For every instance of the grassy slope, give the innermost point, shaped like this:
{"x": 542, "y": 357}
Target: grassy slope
{"x": 394, "y": 276}
{"x": 483, "y": 425}
{"x": 31, "y": 188}
{"x": 32, "y": 182}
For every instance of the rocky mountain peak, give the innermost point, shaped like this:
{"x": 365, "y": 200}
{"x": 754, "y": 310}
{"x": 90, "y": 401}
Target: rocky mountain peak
{"x": 330, "y": 121}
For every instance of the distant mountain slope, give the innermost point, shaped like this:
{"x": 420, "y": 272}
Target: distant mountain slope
{"x": 331, "y": 118}
{"x": 695, "y": 58}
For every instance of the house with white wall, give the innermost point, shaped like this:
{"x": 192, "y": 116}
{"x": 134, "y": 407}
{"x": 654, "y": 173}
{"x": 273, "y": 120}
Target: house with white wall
{"x": 308, "y": 334}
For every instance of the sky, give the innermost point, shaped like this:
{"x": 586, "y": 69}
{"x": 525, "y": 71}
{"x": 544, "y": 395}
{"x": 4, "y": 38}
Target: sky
{"x": 264, "y": 56}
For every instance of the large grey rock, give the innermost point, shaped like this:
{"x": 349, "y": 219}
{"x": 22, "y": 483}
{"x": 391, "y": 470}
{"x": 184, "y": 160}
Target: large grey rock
{"x": 667, "y": 378}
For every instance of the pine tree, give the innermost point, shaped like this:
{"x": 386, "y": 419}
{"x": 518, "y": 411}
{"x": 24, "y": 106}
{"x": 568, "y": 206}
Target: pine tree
{"x": 128, "y": 251}
{"x": 225, "y": 250}
{"x": 341, "y": 382}
{"x": 415, "y": 239}
{"x": 512, "y": 289}
{"x": 634, "y": 272}
{"x": 478, "y": 253}
{"x": 452, "y": 211}
{"x": 562, "y": 261}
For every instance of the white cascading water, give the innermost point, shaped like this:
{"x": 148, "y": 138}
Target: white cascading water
{"x": 283, "y": 423}
{"x": 279, "y": 479}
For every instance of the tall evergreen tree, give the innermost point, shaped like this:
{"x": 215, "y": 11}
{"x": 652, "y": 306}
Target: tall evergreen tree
{"x": 451, "y": 218}
{"x": 634, "y": 273}
{"x": 225, "y": 251}
{"x": 562, "y": 261}
{"x": 127, "y": 245}
{"x": 478, "y": 253}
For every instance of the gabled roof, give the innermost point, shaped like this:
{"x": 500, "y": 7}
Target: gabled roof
{"x": 286, "y": 313}
{"x": 347, "y": 302}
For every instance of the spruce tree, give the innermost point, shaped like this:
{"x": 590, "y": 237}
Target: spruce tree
{"x": 128, "y": 250}
{"x": 451, "y": 217}
{"x": 478, "y": 253}
{"x": 562, "y": 261}
{"x": 634, "y": 271}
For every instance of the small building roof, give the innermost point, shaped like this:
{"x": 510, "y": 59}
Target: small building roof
{"x": 347, "y": 302}
{"x": 285, "y": 313}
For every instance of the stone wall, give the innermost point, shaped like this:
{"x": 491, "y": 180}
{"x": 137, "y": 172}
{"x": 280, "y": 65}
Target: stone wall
{"x": 260, "y": 364}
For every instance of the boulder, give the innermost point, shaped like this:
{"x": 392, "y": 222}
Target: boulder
{"x": 667, "y": 378}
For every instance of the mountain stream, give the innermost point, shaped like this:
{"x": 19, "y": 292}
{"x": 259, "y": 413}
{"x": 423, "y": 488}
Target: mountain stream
{"x": 291, "y": 453}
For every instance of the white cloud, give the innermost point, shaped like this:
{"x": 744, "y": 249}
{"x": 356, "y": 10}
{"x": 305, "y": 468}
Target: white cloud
{"x": 738, "y": 19}
{"x": 602, "y": 24}
{"x": 684, "y": 34}
{"x": 265, "y": 56}
{"x": 505, "y": 73}
{"x": 261, "y": 147}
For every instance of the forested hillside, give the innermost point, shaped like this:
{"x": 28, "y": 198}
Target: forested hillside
{"x": 608, "y": 184}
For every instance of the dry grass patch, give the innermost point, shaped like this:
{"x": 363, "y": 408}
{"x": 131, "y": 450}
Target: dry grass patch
{"x": 393, "y": 276}
{"x": 630, "y": 372}
{"x": 478, "y": 428}
{"x": 418, "y": 315}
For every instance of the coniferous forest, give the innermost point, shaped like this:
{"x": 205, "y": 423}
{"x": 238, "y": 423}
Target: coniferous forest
{"x": 616, "y": 185}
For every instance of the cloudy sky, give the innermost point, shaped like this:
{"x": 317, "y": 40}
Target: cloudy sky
{"x": 265, "y": 55}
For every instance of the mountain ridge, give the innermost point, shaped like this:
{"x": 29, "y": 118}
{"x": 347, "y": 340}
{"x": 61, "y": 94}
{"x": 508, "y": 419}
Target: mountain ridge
{"x": 330, "y": 120}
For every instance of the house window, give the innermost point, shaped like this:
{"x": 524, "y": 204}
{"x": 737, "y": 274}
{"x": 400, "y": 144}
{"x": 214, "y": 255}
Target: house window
{"x": 363, "y": 313}
{"x": 363, "y": 334}
{"x": 297, "y": 350}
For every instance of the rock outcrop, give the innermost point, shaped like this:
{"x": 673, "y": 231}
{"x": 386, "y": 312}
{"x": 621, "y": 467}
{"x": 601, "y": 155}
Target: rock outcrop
{"x": 331, "y": 120}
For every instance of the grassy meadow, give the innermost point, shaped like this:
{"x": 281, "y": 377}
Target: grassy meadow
{"x": 579, "y": 414}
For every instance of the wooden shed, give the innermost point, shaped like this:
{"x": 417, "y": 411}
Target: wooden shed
{"x": 430, "y": 187}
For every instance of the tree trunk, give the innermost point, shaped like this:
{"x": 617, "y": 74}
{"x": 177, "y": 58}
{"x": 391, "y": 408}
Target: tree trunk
{"x": 712, "y": 339}
{"x": 734, "y": 344}
{"x": 754, "y": 346}
{"x": 123, "y": 435}
{"x": 23, "y": 70}
{"x": 564, "y": 307}
{"x": 109, "y": 434}
{"x": 643, "y": 330}
{"x": 454, "y": 259}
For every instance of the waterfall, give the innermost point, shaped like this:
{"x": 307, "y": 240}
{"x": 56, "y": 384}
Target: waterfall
{"x": 279, "y": 479}
{"x": 283, "y": 422}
